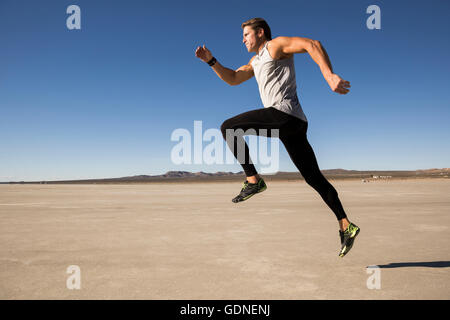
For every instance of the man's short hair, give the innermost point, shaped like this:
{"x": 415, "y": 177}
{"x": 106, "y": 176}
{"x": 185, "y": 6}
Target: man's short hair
{"x": 257, "y": 23}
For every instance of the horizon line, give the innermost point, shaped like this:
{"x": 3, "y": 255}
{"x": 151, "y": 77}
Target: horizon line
{"x": 238, "y": 172}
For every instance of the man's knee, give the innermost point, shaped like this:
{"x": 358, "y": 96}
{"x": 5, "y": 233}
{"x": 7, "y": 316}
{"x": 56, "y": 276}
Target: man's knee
{"x": 320, "y": 184}
{"x": 315, "y": 178}
{"x": 225, "y": 125}
{"x": 309, "y": 179}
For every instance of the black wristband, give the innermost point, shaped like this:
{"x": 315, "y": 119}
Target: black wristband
{"x": 212, "y": 61}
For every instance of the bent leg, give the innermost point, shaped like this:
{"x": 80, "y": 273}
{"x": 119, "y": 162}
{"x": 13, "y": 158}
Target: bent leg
{"x": 234, "y": 129}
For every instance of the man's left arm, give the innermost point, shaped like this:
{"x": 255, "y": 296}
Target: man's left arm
{"x": 291, "y": 45}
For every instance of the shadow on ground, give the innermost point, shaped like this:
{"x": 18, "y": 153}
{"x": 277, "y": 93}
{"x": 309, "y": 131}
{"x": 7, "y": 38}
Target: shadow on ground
{"x": 430, "y": 264}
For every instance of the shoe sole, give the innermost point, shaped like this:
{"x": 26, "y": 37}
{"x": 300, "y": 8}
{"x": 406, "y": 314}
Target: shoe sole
{"x": 248, "y": 197}
{"x": 346, "y": 249}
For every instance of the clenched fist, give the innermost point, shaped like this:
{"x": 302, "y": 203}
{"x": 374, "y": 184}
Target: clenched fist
{"x": 203, "y": 53}
{"x": 337, "y": 84}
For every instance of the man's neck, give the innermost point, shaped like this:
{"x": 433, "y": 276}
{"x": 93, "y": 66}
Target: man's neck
{"x": 261, "y": 46}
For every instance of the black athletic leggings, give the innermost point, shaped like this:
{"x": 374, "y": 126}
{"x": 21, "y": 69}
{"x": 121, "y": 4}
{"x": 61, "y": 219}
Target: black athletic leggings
{"x": 292, "y": 132}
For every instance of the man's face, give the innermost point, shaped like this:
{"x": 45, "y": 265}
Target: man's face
{"x": 251, "y": 39}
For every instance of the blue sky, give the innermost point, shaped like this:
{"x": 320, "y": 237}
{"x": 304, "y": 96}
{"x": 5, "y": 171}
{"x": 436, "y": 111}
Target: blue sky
{"x": 103, "y": 101}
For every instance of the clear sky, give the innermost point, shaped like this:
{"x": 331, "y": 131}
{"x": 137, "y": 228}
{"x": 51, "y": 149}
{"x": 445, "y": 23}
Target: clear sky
{"x": 103, "y": 101}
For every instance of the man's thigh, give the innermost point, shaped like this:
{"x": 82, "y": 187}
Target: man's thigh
{"x": 264, "y": 118}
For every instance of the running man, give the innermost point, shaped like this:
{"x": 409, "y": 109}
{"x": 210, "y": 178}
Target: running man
{"x": 273, "y": 68}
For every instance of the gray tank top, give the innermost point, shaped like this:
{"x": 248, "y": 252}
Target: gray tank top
{"x": 277, "y": 84}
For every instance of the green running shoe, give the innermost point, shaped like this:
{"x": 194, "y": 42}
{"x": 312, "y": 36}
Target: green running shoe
{"x": 347, "y": 238}
{"x": 250, "y": 189}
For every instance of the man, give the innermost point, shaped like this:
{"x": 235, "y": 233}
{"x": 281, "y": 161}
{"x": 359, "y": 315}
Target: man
{"x": 273, "y": 68}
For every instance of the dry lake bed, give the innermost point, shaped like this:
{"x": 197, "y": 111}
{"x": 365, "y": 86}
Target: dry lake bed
{"x": 189, "y": 241}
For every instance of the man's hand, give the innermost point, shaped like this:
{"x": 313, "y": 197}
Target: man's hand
{"x": 337, "y": 84}
{"x": 203, "y": 54}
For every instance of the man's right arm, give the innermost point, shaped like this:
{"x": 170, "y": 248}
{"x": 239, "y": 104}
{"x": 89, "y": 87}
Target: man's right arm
{"x": 232, "y": 77}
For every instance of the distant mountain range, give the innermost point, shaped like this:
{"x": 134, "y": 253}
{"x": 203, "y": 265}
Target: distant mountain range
{"x": 182, "y": 174}
{"x": 178, "y": 176}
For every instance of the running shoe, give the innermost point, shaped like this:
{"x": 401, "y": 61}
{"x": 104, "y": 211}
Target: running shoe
{"x": 250, "y": 189}
{"x": 347, "y": 238}
{"x": 341, "y": 235}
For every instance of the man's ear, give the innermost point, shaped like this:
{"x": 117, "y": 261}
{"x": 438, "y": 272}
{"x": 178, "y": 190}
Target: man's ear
{"x": 260, "y": 32}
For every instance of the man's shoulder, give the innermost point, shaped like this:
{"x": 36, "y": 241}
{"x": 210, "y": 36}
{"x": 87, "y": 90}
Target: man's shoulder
{"x": 275, "y": 47}
{"x": 278, "y": 41}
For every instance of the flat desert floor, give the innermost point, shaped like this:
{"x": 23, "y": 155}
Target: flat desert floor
{"x": 189, "y": 241}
